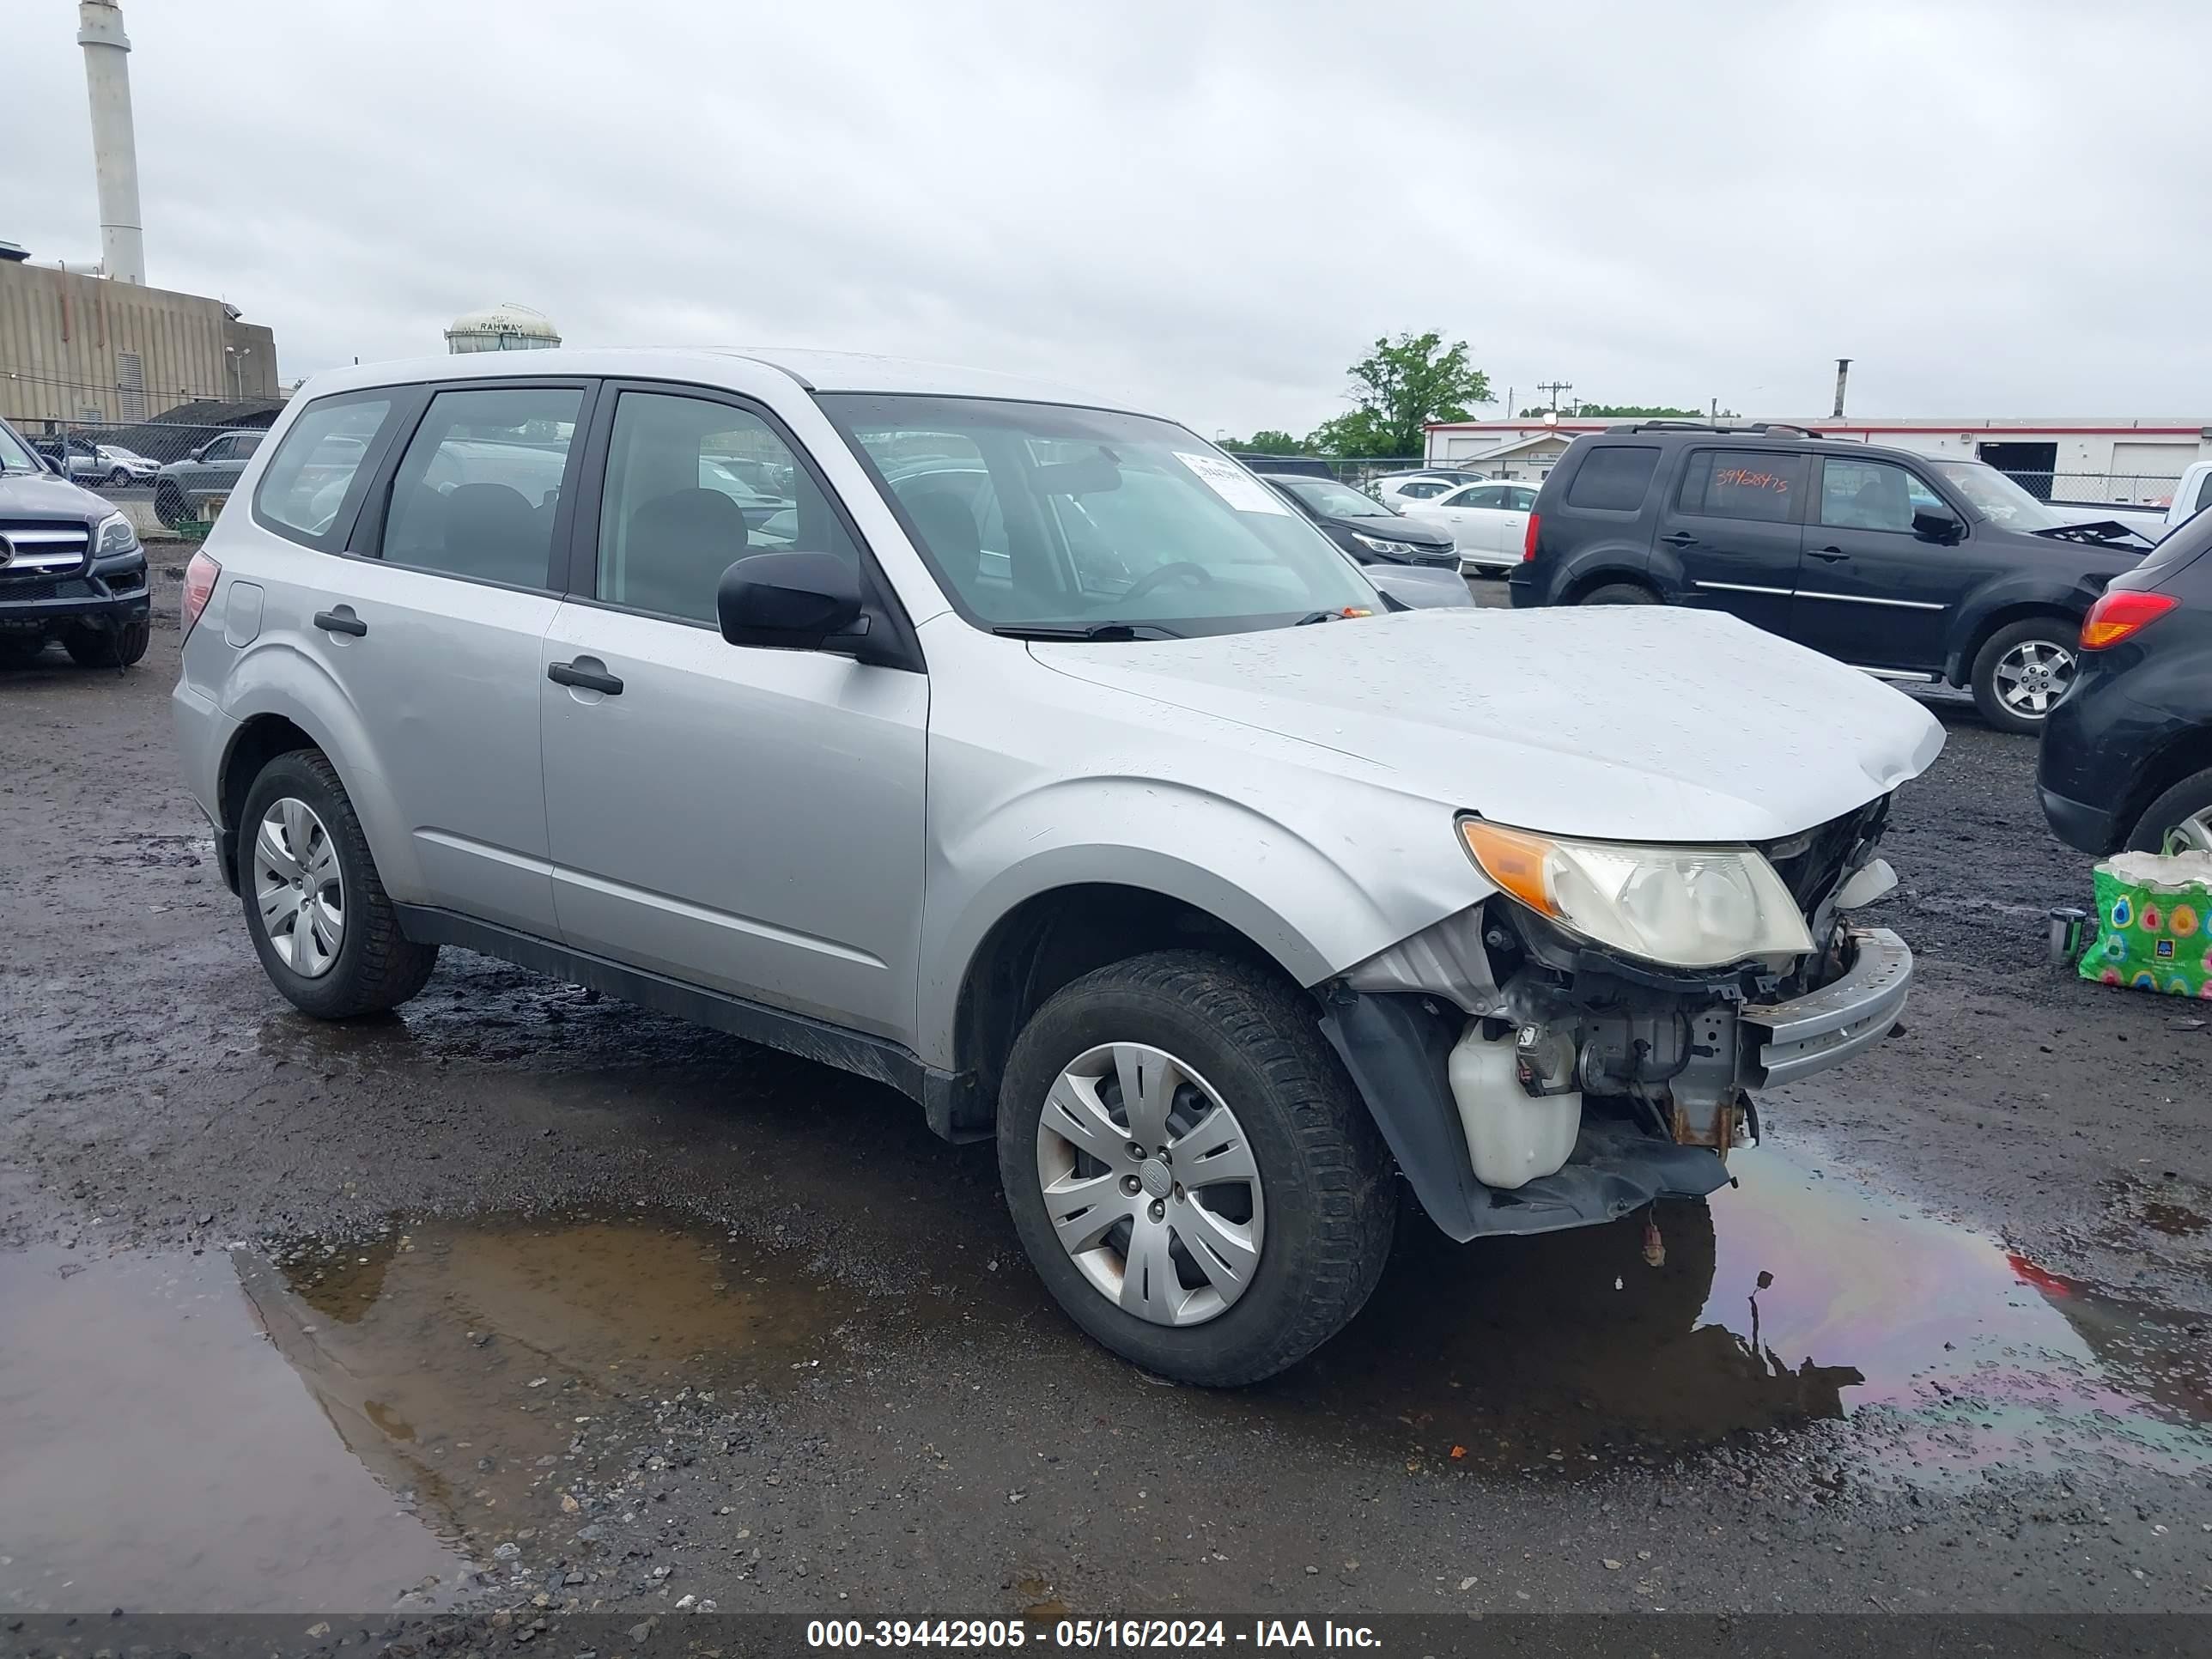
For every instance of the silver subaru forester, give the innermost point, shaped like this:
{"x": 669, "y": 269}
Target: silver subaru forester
{"x": 1027, "y": 754}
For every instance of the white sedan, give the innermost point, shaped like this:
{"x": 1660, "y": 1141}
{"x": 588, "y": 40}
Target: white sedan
{"x": 1488, "y": 522}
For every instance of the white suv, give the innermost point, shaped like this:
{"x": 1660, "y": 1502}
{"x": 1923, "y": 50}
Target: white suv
{"x": 1030, "y": 756}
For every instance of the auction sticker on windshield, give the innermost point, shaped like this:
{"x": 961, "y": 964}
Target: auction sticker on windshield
{"x": 1233, "y": 485}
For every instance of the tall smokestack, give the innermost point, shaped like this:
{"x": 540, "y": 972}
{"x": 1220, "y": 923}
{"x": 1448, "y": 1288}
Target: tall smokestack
{"x": 114, "y": 143}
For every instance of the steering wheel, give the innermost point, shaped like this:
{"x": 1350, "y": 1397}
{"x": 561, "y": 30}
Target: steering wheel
{"x": 1187, "y": 569}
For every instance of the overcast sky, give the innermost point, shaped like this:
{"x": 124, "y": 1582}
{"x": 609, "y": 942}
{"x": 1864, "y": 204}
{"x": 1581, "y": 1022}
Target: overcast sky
{"x": 1209, "y": 208}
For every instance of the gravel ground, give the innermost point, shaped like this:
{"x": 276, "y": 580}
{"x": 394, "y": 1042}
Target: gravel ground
{"x": 524, "y": 1298}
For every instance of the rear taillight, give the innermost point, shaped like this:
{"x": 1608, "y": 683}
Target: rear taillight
{"x": 1528, "y": 540}
{"x": 2121, "y": 616}
{"x": 200, "y": 578}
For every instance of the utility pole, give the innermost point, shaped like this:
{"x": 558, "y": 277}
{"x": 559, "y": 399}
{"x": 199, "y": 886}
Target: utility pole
{"x": 1555, "y": 387}
{"x": 1842, "y": 373}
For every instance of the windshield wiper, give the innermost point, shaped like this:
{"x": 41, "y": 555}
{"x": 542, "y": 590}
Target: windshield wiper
{"x": 1318, "y": 617}
{"x": 1104, "y": 630}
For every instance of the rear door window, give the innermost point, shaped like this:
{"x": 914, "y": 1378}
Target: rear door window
{"x": 476, "y": 493}
{"x": 1732, "y": 484}
{"x": 312, "y": 482}
{"x": 1613, "y": 478}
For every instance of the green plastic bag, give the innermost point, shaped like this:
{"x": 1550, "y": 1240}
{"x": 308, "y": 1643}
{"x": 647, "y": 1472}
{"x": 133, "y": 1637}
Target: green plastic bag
{"x": 2153, "y": 926}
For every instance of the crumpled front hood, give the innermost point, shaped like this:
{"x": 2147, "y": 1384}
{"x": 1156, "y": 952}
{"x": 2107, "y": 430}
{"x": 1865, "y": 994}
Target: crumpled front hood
{"x": 1626, "y": 723}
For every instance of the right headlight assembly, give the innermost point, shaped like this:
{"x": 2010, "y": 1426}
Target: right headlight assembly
{"x": 1686, "y": 907}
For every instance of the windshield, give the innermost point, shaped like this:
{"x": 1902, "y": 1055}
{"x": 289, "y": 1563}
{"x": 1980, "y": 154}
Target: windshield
{"x": 1050, "y": 516}
{"x": 14, "y": 457}
{"x": 2001, "y": 502}
{"x": 1335, "y": 499}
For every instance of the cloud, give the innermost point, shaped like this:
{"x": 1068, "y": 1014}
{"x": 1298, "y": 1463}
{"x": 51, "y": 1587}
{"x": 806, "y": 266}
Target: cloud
{"x": 1210, "y": 210}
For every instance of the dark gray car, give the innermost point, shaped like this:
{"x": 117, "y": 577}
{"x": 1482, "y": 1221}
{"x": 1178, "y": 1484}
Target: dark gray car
{"x": 207, "y": 473}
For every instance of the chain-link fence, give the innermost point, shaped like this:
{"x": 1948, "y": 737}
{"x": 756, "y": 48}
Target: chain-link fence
{"x": 166, "y": 475}
{"x": 2145, "y": 490}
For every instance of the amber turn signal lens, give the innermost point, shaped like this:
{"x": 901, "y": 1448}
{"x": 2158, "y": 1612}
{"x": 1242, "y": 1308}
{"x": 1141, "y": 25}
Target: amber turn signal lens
{"x": 1513, "y": 858}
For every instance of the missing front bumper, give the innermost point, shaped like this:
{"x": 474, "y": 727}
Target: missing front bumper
{"x": 1843, "y": 1018}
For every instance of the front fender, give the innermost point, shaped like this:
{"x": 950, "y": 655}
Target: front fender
{"x": 2006, "y": 598}
{"x": 1254, "y": 873}
{"x": 275, "y": 676}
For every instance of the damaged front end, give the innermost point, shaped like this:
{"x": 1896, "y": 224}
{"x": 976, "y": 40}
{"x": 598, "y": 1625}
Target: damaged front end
{"x": 1530, "y": 1077}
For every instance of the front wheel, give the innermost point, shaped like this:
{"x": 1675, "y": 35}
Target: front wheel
{"x": 1190, "y": 1169}
{"x": 117, "y": 478}
{"x": 327, "y": 935}
{"x": 100, "y": 647}
{"x": 169, "y": 505}
{"x": 2023, "y": 671}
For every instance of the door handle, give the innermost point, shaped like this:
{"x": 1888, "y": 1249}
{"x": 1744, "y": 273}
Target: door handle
{"x": 1679, "y": 539}
{"x": 588, "y": 679}
{"x": 341, "y": 621}
{"x": 1832, "y": 555}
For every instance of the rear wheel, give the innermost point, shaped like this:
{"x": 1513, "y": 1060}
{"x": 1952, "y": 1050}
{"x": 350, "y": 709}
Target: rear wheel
{"x": 104, "y": 647}
{"x": 2023, "y": 671}
{"x": 1190, "y": 1169}
{"x": 326, "y": 932}
{"x": 2178, "y": 821}
{"x": 1619, "y": 593}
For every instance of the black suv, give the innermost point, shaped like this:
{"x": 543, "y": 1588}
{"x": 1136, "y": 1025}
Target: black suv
{"x": 2127, "y": 758}
{"x": 70, "y": 566}
{"x": 1914, "y": 567}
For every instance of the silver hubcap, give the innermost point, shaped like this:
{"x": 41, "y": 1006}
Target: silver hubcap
{"x": 298, "y": 886}
{"x": 1151, "y": 1184}
{"x": 2192, "y": 834}
{"x": 2033, "y": 676}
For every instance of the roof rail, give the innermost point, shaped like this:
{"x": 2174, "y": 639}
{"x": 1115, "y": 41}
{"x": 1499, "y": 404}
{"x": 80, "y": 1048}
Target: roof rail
{"x": 1733, "y": 429}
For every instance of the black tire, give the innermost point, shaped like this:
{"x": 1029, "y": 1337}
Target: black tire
{"x": 2190, "y": 798}
{"x": 1982, "y": 680}
{"x": 21, "y": 650}
{"x": 169, "y": 505}
{"x": 1620, "y": 593}
{"x": 117, "y": 478}
{"x": 1330, "y": 1192}
{"x": 104, "y": 648}
{"x": 378, "y": 966}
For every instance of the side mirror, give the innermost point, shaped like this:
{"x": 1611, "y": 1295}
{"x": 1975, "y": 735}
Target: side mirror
{"x": 200, "y": 453}
{"x": 1938, "y": 524}
{"x": 791, "y": 601}
{"x": 56, "y": 466}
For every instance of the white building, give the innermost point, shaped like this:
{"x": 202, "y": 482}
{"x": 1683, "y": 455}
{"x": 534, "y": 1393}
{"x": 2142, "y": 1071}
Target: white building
{"x": 2121, "y": 461}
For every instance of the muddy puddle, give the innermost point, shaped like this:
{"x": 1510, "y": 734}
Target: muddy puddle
{"x": 1797, "y": 1296}
{"x": 221, "y": 1432}
{"x": 343, "y": 1425}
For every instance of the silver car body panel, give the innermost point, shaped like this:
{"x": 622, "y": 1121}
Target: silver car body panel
{"x": 840, "y": 840}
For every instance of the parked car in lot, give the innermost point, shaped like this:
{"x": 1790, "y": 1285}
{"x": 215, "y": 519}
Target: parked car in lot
{"x": 182, "y": 489}
{"x": 1371, "y": 532}
{"x": 1487, "y": 523}
{"x": 1912, "y": 568}
{"x": 84, "y": 461}
{"x": 1403, "y": 489}
{"x": 2192, "y": 494}
{"x": 2126, "y": 760}
{"x": 70, "y": 566}
{"x": 1076, "y": 801}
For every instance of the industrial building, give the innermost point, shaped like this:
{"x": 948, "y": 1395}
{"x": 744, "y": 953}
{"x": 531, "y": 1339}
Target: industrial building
{"x": 2125, "y": 462}
{"x": 85, "y": 346}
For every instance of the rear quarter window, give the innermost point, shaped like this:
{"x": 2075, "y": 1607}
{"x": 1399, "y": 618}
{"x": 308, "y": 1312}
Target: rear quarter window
{"x": 1613, "y": 479}
{"x": 311, "y": 476}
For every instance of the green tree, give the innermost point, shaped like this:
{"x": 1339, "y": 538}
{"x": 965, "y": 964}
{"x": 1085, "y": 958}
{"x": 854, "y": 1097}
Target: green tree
{"x": 1266, "y": 441}
{"x": 1399, "y": 388}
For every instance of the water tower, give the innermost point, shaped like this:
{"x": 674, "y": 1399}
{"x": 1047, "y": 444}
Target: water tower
{"x": 506, "y": 327}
